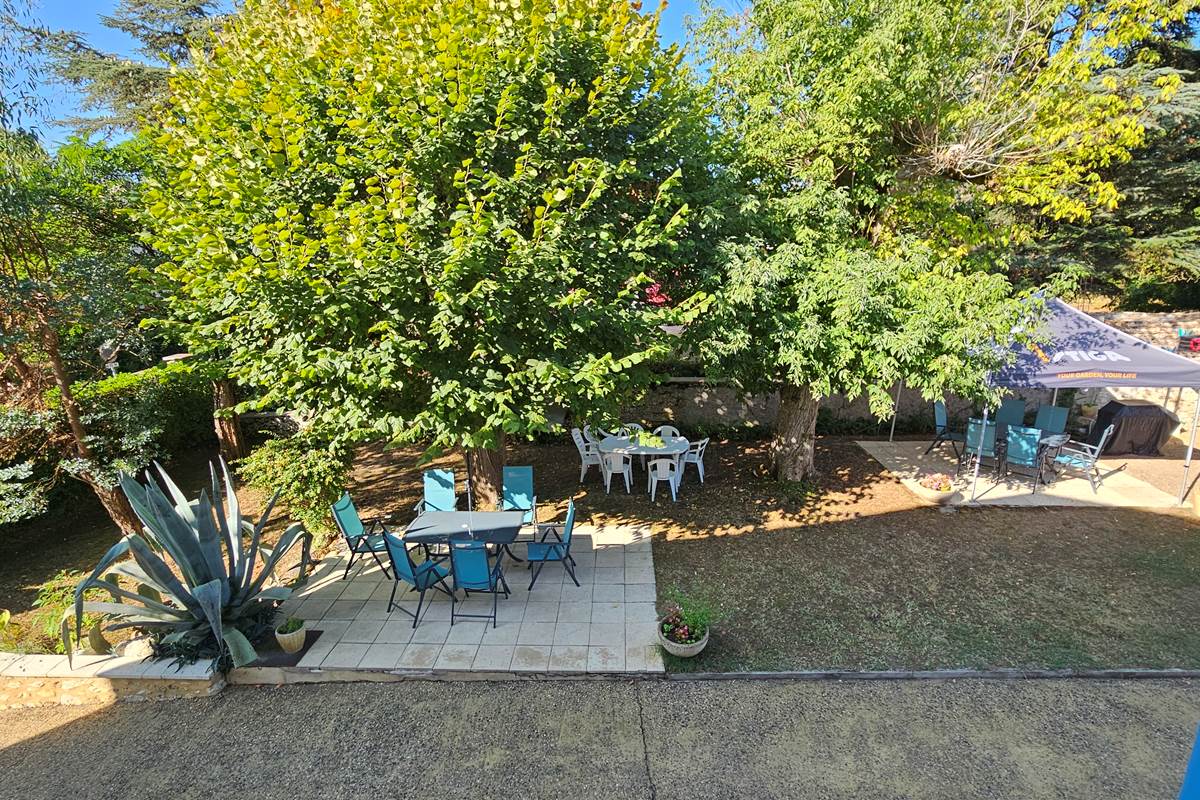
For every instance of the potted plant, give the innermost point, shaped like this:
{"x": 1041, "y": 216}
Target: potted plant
{"x": 683, "y": 629}
{"x": 290, "y": 635}
{"x": 938, "y": 487}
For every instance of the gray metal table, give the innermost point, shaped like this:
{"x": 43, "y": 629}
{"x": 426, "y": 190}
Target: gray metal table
{"x": 440, "y": 527}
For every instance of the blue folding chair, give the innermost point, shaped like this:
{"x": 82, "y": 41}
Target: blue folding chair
{"x": 439, "y": 492}
{"x": 360, "y": 538}
{"x": 544, "y": 551}
{"x": 972, "y": 448}
{"x": 1081, "y": 458}
{"x": 1051, "y": 419}
{"x": 1023, "y": 449}
{"x": 941, "y": 429}
{"x": 422, "y": 577}
{"x": 1012, "y": 412}
{"x": 474, "y": 572}
{"x": 517, "y": 492}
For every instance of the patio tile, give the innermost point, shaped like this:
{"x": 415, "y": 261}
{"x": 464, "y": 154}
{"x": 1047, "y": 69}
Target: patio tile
{"x": 570, "y": 658}
{"x": 639, "y": 575}
{"x": 642, "y": 658}
{"x": 639, "y": 560}
{"x": 566, "y": 633}
{"x": 345, "y": 609}
{"x": 362, "y": 631}
{"x": 358, "y": 590}
{"x": 419, "y": 656}
{"x": 456, "y": 657}
{"x": 536, "y": 633}
{"x": 575, "y": 594}
{"x": 331, "y": 629}
{"x": 609, "y": 575}
{"x": 505, "y": 633}
{"x": 345, "y": 655}
{"x": 374, "y": 609}
{"x": 398, "y": 630}
{"x": 541, "y": 612}
{"x": 530, "y": 658}
{"x": 608, "y": 593}
{"x": 641, "y": 632}
{"x": 490, "y": 658}
{"x": 583, "y": 558}
{"x": 575, "y": 612}
{"x": 469, "y": 632}
{"x": 431, "y": 632}
{"x": 585, "y": 575}
{"x": 382, "y": 656}
{"x": 640, "y": 612}
{"x": 317, "y": 653}
{"x": 640, "y": 593}
{"x": 314, "y": 608}
{"x": 608, "y": 634}
{"x": 608, "y": 612}
{"x": 610, "y": 557}
{"x": 382, "y": 591}
{"x": 606, "y": 659}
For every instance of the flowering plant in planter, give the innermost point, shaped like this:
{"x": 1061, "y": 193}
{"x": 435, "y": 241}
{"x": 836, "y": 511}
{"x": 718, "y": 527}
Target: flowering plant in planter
{"x": 937, "y": 482}
{"x": 685, "y": 622}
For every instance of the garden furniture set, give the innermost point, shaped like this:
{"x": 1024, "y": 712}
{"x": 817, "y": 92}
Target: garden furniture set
{"x": 664, "y": 455}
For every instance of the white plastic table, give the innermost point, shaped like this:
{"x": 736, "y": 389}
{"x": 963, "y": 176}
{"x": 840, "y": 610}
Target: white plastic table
{"x": 626, "y": 446}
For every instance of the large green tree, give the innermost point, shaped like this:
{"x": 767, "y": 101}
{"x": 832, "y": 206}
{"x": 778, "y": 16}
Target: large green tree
{"x": 887, "y": 145}
{"x": 432, "y": 221}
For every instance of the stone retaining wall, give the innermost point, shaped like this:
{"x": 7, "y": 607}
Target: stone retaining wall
{"x": 33, "y": 680}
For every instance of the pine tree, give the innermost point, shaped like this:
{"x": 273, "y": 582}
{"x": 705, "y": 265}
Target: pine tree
{"x": 124, "y": 89}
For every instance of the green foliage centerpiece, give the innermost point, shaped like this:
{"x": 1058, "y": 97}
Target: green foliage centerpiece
{"x": 200, "y": 586}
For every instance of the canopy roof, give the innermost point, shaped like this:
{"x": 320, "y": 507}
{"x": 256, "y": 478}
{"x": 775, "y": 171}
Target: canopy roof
{"x": 1080, "y": 351}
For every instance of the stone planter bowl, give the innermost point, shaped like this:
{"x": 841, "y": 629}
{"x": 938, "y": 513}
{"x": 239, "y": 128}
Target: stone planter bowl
{"x": 682, "y": 650}
{"x": 292, "y": 642}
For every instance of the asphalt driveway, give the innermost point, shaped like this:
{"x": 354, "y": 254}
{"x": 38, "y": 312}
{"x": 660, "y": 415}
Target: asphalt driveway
{"x": 584, "y": 739}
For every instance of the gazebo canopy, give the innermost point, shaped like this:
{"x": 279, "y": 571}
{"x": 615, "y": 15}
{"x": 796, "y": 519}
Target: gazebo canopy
{"x": 1077, "y": 351}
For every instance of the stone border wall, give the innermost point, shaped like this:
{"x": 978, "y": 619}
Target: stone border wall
{"x": 34, "y": 680}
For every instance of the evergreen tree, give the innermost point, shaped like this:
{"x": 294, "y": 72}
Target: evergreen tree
{"x": 124, "y": 89}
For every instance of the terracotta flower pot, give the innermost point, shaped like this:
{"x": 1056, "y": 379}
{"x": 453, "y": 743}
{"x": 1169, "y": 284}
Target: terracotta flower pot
{"x": 292, "y": 642}
{"x": 681, "y": 650}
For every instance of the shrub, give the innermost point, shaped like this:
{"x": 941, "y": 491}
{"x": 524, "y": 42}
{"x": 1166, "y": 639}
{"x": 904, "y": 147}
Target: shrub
{"x": 308, "y": 476}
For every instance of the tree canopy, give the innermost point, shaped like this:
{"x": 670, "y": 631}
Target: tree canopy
{"x": 432, "y": 221}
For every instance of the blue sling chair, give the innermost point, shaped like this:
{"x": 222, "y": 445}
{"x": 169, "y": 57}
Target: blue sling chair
{"x": 1024, "y": 450}
{"x": 422, "y": 577}
{"x": 544, "y": 551}
{"x": 517, "y": 492}
{"x": 1051, "y": 419}
{"x": 439, "y": 492}
{"x": 971, "y": 447}
{"x": 360, "y": 539}
{"x": 941, "y": 429}
{"x": 1011, "y": 412}
{"x": 474, "y": 571}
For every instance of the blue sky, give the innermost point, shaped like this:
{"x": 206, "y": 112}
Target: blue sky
{"x": 84, "y": 16}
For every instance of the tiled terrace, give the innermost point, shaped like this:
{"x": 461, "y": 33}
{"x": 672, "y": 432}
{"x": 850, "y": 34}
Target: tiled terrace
{"x": 605, "y": 625}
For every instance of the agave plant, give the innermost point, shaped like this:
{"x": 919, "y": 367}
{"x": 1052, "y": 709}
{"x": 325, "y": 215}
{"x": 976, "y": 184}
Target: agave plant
{"x": 216, "y": 592}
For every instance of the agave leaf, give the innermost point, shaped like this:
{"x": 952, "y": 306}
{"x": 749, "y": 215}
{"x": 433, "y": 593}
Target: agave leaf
{"x": 132, "y": 613}
{"x": 285, "y": 543}
{"x": 130, "y": 569}
{"x": 118, "y": 593}
{"x": 149, "y": 592}
{"x": 267, "y": 595}
{"x": 181, "y": 502}
{"x": 209, "y": 597}
{"x": 210, "y": 544}
{"x": 233, "y": 544}
{"x": 183, "y": 552}
{"x": 240, "y": 649}
{"x": 96, "y": 641}
{"x": 116, "y": 551}
{"x": 233, "y": 520}
{"x": 161, "y": 574}
{"x": 255, "y": 538}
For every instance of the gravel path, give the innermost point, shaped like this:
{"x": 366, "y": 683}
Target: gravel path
{"x": 962, "y": 739}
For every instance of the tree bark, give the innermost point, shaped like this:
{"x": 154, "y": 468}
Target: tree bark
{"x": 228, "y": 426}
{"x": 117, "y": 505}
{"x": 487, "y": 469}
{"x": 794, "y": 445}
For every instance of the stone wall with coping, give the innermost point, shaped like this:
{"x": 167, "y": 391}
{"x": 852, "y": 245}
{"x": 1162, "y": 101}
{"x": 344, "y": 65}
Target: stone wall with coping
{"x": 34, "y": 680}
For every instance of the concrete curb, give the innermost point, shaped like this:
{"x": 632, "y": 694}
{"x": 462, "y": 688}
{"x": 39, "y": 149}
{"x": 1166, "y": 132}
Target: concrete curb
{"x": 938, "y": 675}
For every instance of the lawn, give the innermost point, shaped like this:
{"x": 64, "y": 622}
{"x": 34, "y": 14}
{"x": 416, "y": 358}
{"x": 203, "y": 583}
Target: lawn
{"x": 851, "y": 573}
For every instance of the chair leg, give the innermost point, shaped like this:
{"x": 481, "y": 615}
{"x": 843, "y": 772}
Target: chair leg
{"x": 700, "y": 467}
{"x": 653, "y": 489}
{"x": 569, "y": 566}
{"x": 417, "y": 616}
{"x": 349, "y": 564}
{"x": 375, "y": 556}
{"x": 453, "y": 605}
{"x": 607, "y": 482}
{"x": 494, "y": 598}
{"x": 674, "y": 496}
{"x": 392, "y": 599}
{"x": 536, "y": 572}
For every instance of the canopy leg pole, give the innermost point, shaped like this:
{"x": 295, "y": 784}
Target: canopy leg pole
{"x": 979, "y": 453}
{"x": 1054, "y": 400}
{"x": 895, "y": 411}
{"x": 1187, "y": 460}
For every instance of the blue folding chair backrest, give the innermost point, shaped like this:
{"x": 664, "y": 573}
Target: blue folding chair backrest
{"x": 398, "y": 553}
{"x": 517, "y": 492}
{"x": 941, "y": 420}
{"x": 1051, "y": 419}
{"x": 976, "y": 429}
{"x": 569, "y": 525}
{"x": 346, "y": 517}
{"x": 469, "y": 560}
{"x": 439, "y": 490}
{"x": 1022, "y": 446}
{"x": 1012, "y": 412}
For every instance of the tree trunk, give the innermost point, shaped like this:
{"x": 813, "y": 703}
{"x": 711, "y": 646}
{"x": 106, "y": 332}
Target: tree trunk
{"x": 228, "y": 426}
{"x": 487, "y": 469}
{"x": 794, "y": 444}
{"x": 117, "y": 505}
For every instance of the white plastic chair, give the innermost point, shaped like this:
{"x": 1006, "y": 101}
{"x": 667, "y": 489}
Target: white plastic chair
{"x": 588, "y": 454}
{"x": 590, "y": 436}
{"x": 629, "y": 428}
{"x": 695, "y": 455}
{"x": 663, "y": 469}
{"x": 667, "y": 432}
{"x": 616, "y": 462}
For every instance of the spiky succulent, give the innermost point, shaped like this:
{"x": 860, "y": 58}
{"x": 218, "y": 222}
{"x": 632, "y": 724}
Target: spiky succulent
{"x": 216, "y": 592}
